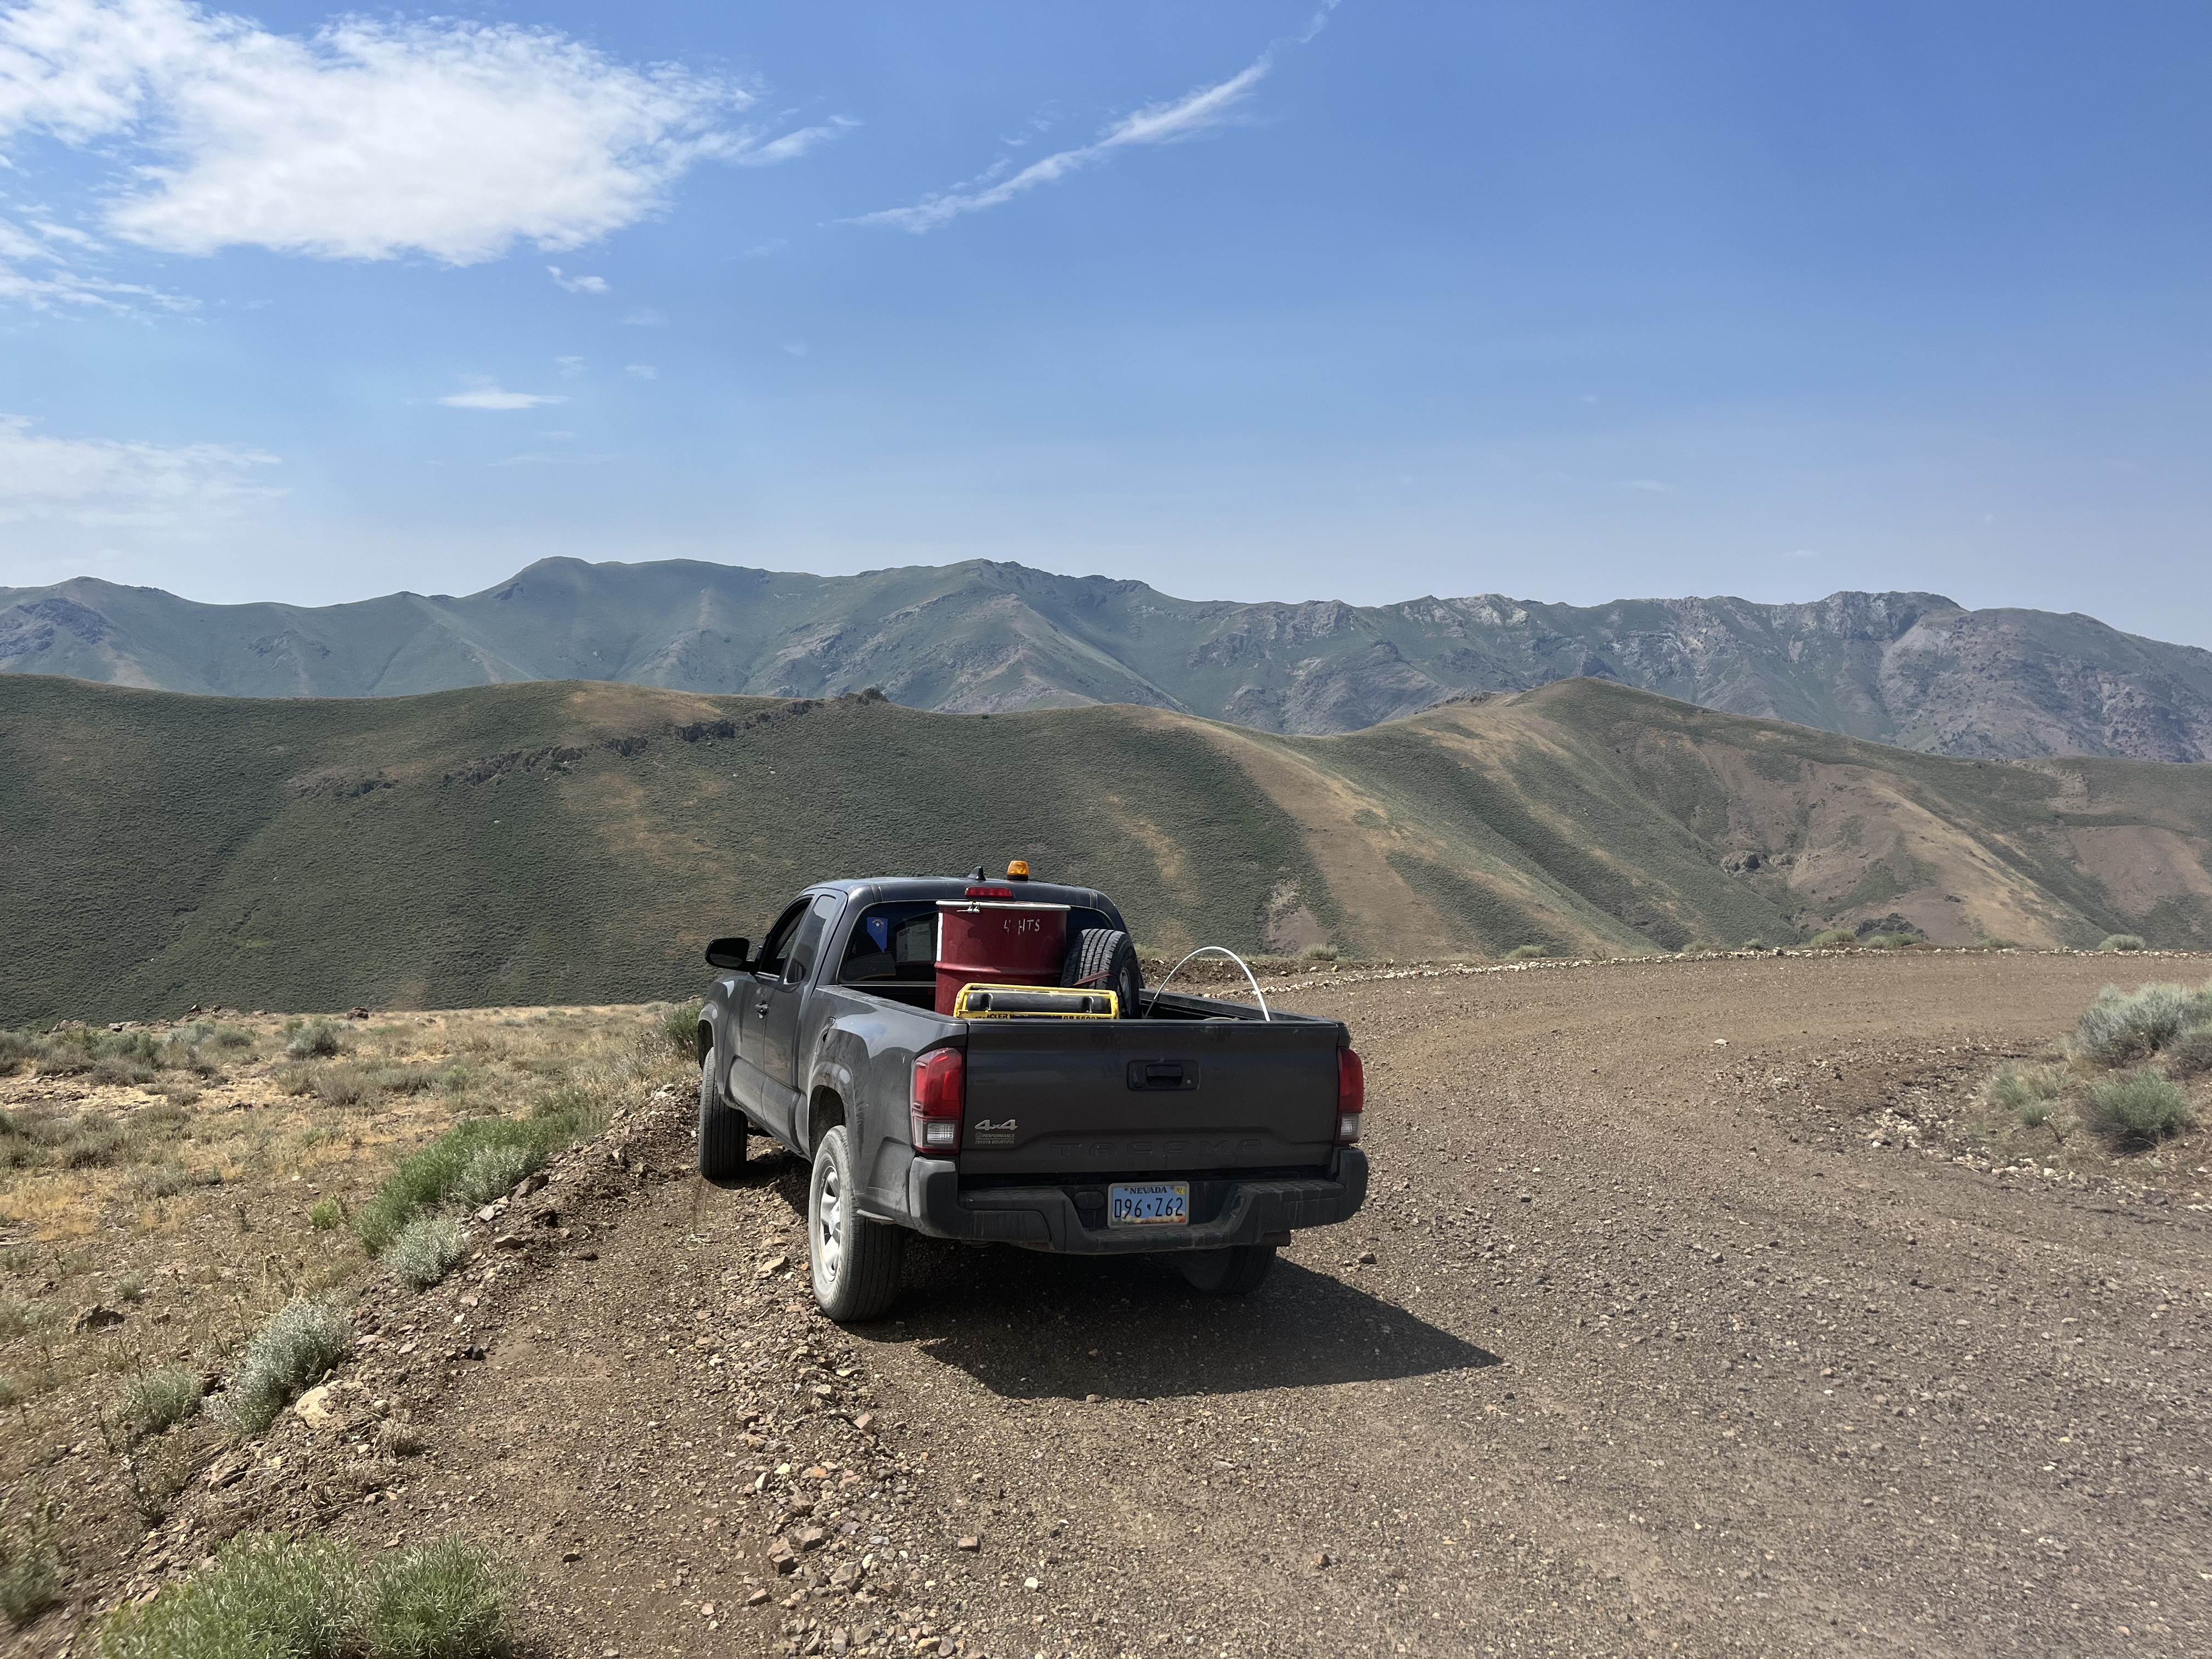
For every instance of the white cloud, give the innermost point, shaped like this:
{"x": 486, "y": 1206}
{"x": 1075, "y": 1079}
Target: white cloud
{"x": 642, "y": 371}
{"x": 793, "y": 145}
{"x": 35, "y": 273}
{"x": 570, "y": 367}
{"x": 578, "y": 284}
{"x": 1655, "y": 486}
{"x": 646, "y": 317}
{"x": 370, "y": 138}
{"x": 106, "y": 484}
{"x": 491, "y": 397}
{"x": 796, "y": 347}
{"x": 1156, "y": 124}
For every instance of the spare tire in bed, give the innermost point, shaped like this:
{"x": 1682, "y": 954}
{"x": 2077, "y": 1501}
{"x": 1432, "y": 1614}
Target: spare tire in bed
{"x": 1103, "y": 957}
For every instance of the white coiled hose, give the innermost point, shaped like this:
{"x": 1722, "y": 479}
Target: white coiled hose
{"x": 1221, "y": 950}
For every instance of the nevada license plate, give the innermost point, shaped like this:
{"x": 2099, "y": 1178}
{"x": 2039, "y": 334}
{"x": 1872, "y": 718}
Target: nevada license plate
{"x": 1148, "y": 1204}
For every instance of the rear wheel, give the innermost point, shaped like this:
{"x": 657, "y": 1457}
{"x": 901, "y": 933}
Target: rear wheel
{"x": 721, "y": 1129}
{"x": 855, "y": 1261}
{"x": 1103, "y": 959}
{"x": 1236, "y": 1271}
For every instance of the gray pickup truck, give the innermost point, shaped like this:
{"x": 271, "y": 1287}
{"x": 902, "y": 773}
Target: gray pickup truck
{"x": 1209, "y": 1130}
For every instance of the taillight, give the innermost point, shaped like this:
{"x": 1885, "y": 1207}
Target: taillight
{"x": 1350, "y": 1096}
{"x": 940, "y": 1095}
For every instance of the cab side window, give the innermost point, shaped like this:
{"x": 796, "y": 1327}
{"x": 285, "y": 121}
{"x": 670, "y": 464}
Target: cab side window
{"x": 807, "y": 945}
{"x": 770, "y": 963}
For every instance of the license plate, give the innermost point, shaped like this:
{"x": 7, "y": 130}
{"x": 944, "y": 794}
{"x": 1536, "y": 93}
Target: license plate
{"x": 1149, "y": 1204}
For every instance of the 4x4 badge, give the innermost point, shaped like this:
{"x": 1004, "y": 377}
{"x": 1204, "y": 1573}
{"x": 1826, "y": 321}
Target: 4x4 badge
{"x": 988, "y": 1134}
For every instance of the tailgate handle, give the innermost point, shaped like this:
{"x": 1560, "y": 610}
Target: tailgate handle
{"x": 1162, "y": 1074}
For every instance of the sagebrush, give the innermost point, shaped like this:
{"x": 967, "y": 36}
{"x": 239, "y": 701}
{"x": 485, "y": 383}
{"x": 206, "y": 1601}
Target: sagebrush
{"x": 271, "y": 1596}
{"x": 302, "y": 1341}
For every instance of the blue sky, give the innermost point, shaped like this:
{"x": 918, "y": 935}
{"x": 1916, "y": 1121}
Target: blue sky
{"x": 1565, "y": 301}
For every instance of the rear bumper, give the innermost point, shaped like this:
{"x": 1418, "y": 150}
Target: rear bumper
{"x": 1051, "y": 1218}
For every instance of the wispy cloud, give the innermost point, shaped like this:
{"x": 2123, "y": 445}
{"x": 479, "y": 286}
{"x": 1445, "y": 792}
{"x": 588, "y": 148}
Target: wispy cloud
{"x": 492, "y": 397}
{"x": 108, "y": 485}
{"x": 789, "y": 148}
{"x": 38, "y": 274}
{"x": 646, "y": 317}
{"x": 641, "y": 372}
{"x": 1654, "y": 486}
{"x": 1172, "y": 122}
{"x": 577, "y": 284}
{"x": 1156, "y": 124}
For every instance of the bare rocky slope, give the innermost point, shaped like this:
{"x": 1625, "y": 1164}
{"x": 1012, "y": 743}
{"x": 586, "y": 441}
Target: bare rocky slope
{"x": 1913, "y": 669}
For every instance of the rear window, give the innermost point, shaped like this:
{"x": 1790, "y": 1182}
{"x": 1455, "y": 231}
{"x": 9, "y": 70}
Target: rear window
{"x": 892, "y": 942}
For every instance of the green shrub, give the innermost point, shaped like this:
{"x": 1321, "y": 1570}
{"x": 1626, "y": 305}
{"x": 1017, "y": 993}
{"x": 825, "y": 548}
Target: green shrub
{"x": 1994, "y": 943}
{"x": 317, "y": 1040}
{"x": 2140, "y": 1106}
{"x": 343, "y": 1086}
{"x": 1698, "y": 947}
{"x": 2120, "y": 942}
{"x": 159, "y": 1181}
{"x": 327, "y": 1215}
{"x": 272, "y": 1596}
{"x": 21, "y": 1318}
{"x": 30, "y": 1574}
{"x": 157, "y": 1400}
{"x": 404, "y": 1079}
{"x": 1319, "y": 953}
{"x": 15, "y": 1048}
{"x": 433, "y": 1174}
{"x": 266, "y": 1597}
{"x": 1893, "y": 941}
{"x": 493, "y": 1172}
{"x": 2025, "y": 1090}
{"x": 1833, "y": 939}
{"x": 2121, "y": 1026}
{"x": 426, "y": 1250}
{"x": 303, "y": 1340}
{"x": 2191, "y": 1052}
{"x": 98, "y": 1141}
{"x": 131, "y": 1288}
{"x": 233, "y": 1037}
{"x": 442, "y": 1601}
{"x": 1526, "y": 952}
{"x": 679, "y": 1029}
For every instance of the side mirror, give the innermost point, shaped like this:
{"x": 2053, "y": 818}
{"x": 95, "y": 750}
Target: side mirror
{"x": 730, "y": 953}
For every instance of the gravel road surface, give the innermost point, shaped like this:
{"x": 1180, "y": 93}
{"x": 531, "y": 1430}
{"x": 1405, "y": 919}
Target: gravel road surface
{"x": 1667, "y": 1331}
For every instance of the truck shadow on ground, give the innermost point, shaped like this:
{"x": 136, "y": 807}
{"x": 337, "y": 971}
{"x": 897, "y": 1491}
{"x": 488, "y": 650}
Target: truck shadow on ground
{"x": 1029, "y": 1326}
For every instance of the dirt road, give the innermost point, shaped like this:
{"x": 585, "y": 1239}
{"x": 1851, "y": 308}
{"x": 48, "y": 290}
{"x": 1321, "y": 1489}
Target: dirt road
{"x": 1657, "y": 1337}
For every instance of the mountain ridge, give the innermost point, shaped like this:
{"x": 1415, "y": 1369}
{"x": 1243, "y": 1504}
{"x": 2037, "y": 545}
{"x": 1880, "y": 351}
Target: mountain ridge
{"x": 1914, "y": 669}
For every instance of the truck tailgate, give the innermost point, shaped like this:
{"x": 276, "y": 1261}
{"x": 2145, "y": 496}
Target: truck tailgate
{"x": 1078, "y": 1097}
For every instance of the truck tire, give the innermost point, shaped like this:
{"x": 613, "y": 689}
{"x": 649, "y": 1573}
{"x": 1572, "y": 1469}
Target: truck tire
{"x": 721, "y": 1129}
{"x": 855, "y": 1261}
{"x": 1103, "y": 957}
{"x": 1236, "y": 1271}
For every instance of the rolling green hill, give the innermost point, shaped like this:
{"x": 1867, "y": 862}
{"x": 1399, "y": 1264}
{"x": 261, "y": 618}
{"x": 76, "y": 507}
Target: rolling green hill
{"x": 1912, "y": 669}
{"x": 573, "y": 841}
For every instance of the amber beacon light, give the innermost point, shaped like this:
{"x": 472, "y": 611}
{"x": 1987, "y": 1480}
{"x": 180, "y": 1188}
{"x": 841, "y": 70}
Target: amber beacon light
{"x": 1019, "y": 870}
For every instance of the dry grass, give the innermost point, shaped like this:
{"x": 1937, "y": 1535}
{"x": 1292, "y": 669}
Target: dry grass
{"x": 201, "y": 1198}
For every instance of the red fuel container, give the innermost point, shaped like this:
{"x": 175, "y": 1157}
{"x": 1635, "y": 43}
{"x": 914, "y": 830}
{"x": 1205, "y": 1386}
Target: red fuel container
{"x": 980, "y": 941}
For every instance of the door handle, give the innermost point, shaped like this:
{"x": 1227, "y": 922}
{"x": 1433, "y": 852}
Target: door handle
{"x": 760, "y": 1008}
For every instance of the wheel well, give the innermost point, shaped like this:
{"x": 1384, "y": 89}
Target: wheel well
{"x": 824, "y": 1112}
{"x": 703, "y": 1040}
